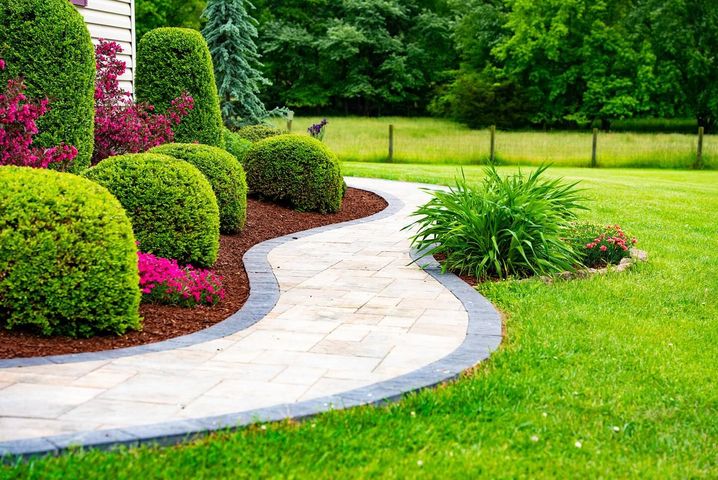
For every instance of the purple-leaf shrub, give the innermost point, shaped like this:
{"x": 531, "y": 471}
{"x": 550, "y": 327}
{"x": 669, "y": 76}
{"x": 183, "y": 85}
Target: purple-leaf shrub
{"x": 318, "y": 129}
{"x": 164, "y": 281}
{"x": 18, "y": 126}
{"x": 121, "y": 125}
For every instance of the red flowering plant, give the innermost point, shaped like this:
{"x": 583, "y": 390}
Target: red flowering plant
{"x": 164, "y": 281}
{"x": 600, "y": 245}
{"x": 18, "y": 126}
{"x": 121, "y": 125}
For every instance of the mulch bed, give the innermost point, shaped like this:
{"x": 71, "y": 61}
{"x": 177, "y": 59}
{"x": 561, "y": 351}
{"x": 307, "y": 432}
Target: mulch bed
{"x": 264, "y": 221}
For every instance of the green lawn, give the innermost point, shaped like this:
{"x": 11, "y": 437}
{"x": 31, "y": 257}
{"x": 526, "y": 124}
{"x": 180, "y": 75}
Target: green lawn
{"x": 625, "y": 364}
{"x": 432, "y": 141}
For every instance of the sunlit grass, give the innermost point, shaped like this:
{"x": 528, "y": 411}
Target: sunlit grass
{"x": 436, "y": 141}
{"x": 608, "y": 377}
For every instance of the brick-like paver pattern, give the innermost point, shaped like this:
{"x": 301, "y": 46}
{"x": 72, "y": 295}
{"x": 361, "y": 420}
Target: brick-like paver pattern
{"x": 352, "y": 312}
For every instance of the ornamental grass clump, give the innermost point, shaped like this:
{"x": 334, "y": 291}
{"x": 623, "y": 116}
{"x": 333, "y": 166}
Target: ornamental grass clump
{"x": 164, "y": 281}
{"x": 507, "y": 227}
{"x": 599, "y": 245}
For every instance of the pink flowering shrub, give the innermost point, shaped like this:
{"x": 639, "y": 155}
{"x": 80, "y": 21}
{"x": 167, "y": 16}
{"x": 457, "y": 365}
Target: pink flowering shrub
{"x": 18, "y": 126}
{"x": 121, "y": 125}
{"x": 600, "y": 245}
{"x": 165, "y": 281}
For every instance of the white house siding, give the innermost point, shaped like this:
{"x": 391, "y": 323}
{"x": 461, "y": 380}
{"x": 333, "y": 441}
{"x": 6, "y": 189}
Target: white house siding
{"x": 113, "y": 20}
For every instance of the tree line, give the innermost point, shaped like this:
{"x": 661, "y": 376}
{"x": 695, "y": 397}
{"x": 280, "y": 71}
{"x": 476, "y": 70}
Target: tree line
{"x": 514, "y": 63}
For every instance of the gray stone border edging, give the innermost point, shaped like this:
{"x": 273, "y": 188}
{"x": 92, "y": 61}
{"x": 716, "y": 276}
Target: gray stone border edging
{"x": 263, "y": 296}
{"x": 483, "y": 337}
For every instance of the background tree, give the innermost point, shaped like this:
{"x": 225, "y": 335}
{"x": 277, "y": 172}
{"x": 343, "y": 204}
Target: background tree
{"x": 231, "y": 33}
{"x": 151, "y": 14}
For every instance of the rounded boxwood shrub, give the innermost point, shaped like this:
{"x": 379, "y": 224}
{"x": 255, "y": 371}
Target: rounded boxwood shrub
{"x": 298, "y": 170}
{"x": 224, "y": 173}
{"x": 236, "y": 145}
{"x": 47, "y": 43}
{"x": 68, "y": 260}
{"x": 255, "y": 133}
{"x": 171, "y": 205}
{"x": 171, "y": 61}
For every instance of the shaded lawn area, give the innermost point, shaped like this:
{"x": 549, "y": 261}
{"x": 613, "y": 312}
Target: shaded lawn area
{"x": 613, "y": 376}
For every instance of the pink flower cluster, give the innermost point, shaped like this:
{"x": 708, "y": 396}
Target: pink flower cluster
{"x": 614, "y": 238}
{"x": 121, "y": 125}
{"x": 18, "y": 126}
{"x": 165, "y": 281}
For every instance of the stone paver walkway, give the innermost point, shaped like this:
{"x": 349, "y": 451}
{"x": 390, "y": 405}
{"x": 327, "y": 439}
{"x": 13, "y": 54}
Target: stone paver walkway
{"x": 352, "y": 315}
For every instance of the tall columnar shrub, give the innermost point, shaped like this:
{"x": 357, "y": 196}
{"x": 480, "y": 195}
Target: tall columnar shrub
{"x": 171, "y": 205}
{"x": 231, "y": 33}
{"x": 170, "y": 62}
{"x": 121, "y": 124}
{"x": 68, "y": 260}
{"x": 298, "y": 170}
{"x": 47, "y": 43}
{"x": 224, "y": 173}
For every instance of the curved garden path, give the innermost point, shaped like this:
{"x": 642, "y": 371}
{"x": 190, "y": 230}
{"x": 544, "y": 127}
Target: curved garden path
{"x": 338, "y": 316}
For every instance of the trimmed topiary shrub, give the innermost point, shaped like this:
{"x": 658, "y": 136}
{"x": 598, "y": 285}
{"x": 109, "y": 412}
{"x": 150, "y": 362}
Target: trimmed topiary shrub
{"x": 224, "y": 173}
{"x": 298, "y": 170}
{"x": 174, "y": 61}
{"x": 68, "y": 260}
{"x": 47, "y": 43}
{"x": 171, "y": 205}
{"x": 236, "y": 145}
{"x": 255, "y": 133}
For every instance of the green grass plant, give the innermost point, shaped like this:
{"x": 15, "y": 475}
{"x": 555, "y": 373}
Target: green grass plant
{"x": 611, "y": 376}
{"x": 438, "y": 141}
{"x": 509, "y": 226}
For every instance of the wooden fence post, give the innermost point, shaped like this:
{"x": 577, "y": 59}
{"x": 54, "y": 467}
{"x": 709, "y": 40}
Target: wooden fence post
{"x": 289, "y": 125}
{"x": 492, "y": 151}
{"x": 594, "y": 149}
{"x": 391, "y": 143}
{"x": 699, "y": 152}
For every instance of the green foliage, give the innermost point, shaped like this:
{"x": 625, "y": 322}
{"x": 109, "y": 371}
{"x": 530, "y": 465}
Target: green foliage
{"x": 585, "y": 61}
{"x": 236, "y": 145}
{"x": 599, "y": 245}
{"x": 68, "y": 261}
{"x": 171, "y": 205}
{"x": 231, "y": 34}
{"x": 224, "y": 173}
{"x": 255, "y": 133}
{"x": 510, "y": 226}
{"x": 298, "y": 170}
{"x": 355, "y": 56}
{"x": 477, "y": 102}
{"x": 47, "y": 43}
{"x": 171, "y": 61}
{"x": 151, "y": 14}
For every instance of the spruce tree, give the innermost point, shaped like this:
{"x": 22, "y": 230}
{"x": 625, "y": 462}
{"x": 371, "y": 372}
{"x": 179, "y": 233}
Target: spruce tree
{"x": 230, "y": 33}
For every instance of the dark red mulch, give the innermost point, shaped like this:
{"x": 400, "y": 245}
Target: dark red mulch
{"x": 264, "y": 221}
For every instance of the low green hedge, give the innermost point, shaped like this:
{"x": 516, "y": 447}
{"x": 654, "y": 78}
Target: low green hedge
{"x": 171, "y": 205}
{"x": 236, "y": 145}
{"x": 224, "y": 173}
{"x": 68, "y": 260}
{"x": 298, "y": 170}
{"x": 255, "y": 133}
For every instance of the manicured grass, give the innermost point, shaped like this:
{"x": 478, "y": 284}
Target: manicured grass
{"x": 436, "y": 141}
{"x": 624, "y": 364}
